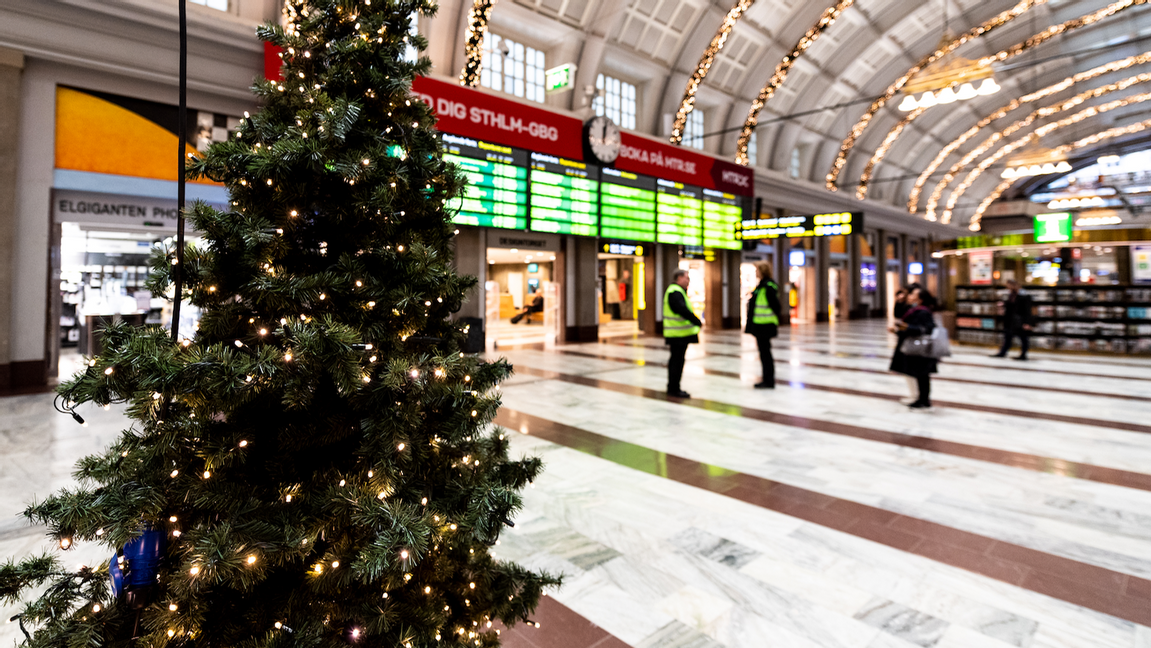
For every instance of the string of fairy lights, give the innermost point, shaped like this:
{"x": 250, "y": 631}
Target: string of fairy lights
{"x": 977, "y": 218}
{"x": 1032, "y": 138}
{"x": 825, "y": 21}
{"x": 1038, "y": 39}
{"x": 704, "y": 66}
{"x": 921, "y": 181}
{"x": 831, "y": 181}
{"x": 478, "y": 17}
{"x": 998, "y": 136}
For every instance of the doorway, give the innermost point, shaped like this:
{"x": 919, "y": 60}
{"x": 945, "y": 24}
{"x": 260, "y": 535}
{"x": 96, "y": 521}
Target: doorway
{"x": 620, "y": 294}
{"x": 837, "y": 296}
{"x": 697, "y": 286}
{"x": 521, "y": 297}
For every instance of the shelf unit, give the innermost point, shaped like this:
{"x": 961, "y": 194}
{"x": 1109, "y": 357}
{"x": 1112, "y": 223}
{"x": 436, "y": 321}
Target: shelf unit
{"x": 1108, "y": 319}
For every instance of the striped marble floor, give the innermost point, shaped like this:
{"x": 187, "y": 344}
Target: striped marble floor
{"x": 821, "y": 514}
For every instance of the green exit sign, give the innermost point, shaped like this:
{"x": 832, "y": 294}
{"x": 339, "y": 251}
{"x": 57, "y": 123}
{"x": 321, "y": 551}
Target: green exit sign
{"x": 560, "y": 78}
{"x": 1053, "y": 228}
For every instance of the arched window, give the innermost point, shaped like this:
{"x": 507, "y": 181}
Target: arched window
{"x": 617, "y": 102}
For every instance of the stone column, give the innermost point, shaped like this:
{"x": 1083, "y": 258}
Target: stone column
{"x": 11, "y": 70}
{"x": 581, "y": 272}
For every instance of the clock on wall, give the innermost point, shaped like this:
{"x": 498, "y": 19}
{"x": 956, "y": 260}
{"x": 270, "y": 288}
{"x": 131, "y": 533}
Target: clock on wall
{"x": 601, "y": 140}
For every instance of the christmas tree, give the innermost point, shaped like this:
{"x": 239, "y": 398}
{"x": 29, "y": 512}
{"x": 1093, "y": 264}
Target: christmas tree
{"x": 314, "y": 465}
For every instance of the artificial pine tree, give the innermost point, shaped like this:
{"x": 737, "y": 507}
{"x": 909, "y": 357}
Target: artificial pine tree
{"x": 317, "y": 456}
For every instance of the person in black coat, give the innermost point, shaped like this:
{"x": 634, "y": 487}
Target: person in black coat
{"x": 1018, "y": 320}
{"x": 764, "y": 330}
{"x": 918, "y": 320}
{"x": 900, "y": 307}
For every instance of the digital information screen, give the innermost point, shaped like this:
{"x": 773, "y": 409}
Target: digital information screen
{"x": 564, "y": 196}
{"x": 626, "y": 206}
{"x": 679, "y": 213}
{"x": 497, "y": 192}
{"x": 722, "y": 214}
{"x": 838, "y": 224}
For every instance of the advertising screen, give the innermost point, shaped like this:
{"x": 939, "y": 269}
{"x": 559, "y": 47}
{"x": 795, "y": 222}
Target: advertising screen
{"x": 722, "y": 213}
{"x": 679, "y": 213}
{"x": 627, "y": 206}
{"x": 497, "y": 175}
{"x": 564, "y": 196}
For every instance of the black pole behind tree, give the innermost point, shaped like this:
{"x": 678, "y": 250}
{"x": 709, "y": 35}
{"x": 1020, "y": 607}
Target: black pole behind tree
{"x": 182, "y": 131}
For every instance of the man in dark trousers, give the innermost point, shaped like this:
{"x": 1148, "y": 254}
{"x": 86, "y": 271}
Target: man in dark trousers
{"x": 680, "y": 328}
{"x": 1018, "y": 320}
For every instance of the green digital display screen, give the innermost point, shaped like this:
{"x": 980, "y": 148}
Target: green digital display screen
{"x": 497, "y": 191}
{"x": 679, "y": 213}
{"x": 564, "y": 196}
{"x": 722, "y": 214}
{"x": 627, "y": 206}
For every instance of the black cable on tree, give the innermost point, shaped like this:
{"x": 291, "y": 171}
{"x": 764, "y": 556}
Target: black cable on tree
{"x": 182, "y": 132}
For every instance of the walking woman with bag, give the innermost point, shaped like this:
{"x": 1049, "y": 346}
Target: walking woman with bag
{"x": 918, "y": 322}
{"x": 763, "y": 321}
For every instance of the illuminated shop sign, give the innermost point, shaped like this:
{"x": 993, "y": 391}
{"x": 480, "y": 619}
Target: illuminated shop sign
{"x": 1053, "y": 228}
{"x": 797, "y": 258}
{"x": 915, "y": 268}
{"x": 837, "y": 224}
{"x": 626, "y": 249}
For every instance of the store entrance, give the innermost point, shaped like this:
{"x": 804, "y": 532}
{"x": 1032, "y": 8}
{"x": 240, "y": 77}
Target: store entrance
{"x": 802, "y": 292}
{"x": 103, "y": 271}
{"x": 521, "y": 298}
{"x": 697, "y": 287}
{"x": 619, "y": 294}
{"x": 837, "y": 285}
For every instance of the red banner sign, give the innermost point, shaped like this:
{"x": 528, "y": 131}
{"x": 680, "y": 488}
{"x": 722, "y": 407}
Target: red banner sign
{"x": 653, "y": 158}
{"x": 473, "y": 113}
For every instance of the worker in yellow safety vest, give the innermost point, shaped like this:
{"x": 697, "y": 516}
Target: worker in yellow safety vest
{"x": 680, "y": 328}
{"x": 763, "y": 321}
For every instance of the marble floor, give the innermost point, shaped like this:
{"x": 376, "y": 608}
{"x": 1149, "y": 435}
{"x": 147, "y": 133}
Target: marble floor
{"x": 823, "y": 513}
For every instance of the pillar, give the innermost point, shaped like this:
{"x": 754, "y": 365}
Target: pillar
{"x": 822, "y": 285}
{"x": 11, "y": 71}
{"x": 581, "y": 317}
{"x": 855, "y": 289}
{"x": 731, "y": 289}
{"x": 881, "y": 271}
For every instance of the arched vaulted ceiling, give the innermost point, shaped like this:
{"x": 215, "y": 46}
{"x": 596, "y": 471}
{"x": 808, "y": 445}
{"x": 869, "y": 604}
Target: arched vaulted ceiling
{"x": 657, "y": 44}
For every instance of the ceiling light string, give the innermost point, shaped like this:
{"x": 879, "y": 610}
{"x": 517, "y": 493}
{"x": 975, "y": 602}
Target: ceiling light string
{"x": 831, "y": 181}
{"x": 687, "y": 104}
{"x": 916, "y": 191}
{"x": 478, "y": 17}
{"x": 977, "y": 218}
{"x": 1047, "y": 111}
{"x": 1019, "y": 48}
{"x": 830, "y": 15}
{"x": 1031, "y": 138}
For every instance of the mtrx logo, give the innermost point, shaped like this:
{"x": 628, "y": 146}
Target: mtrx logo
{"x": 736, "y": 178}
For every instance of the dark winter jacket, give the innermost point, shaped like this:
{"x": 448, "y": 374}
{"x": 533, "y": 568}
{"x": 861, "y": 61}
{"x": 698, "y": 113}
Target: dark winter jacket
{"x": 1018, "y": 312}
{"x": 763, "y": 330}
{"x": 919, "y": 321}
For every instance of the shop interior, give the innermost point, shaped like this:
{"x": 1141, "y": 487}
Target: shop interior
{"x": 697, "y": 286}
{"x": 620, "y": 294}
{"x": 102, "y": 280}
{"x": 517, "y": 283}
{"x": 801, "y": 291}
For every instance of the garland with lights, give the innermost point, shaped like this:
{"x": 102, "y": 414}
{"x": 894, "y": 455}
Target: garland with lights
{"x": 921, "y": 181}
{"x": 1042, "y": 37}
{"x": 830, "y": 15}
{"x": 998, "y": 136}
{"x": 315, "y": 464}
{"x": 977, "y": 218}
{"x": 478, "y": 17}
{"x": 877, "y": 105}
{"x": 1031, "y": 138}
{"x": 704, "y": 66}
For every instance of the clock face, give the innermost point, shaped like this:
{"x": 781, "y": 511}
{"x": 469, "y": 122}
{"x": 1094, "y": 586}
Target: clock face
{"x": 603, "y": 139}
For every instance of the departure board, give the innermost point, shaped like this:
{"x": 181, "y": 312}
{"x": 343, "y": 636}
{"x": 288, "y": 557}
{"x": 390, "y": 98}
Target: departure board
{"x": 497, "y": 191}
{"x": 679, "y": 213}
{"x": 626, "y": 206}
{"x": 564, "y": 195}
{"x": 722, "y": 214}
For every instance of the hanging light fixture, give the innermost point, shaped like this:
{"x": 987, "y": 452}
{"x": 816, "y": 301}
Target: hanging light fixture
{"x": 948, "y": 81}
{"x": 1036, "y": 162}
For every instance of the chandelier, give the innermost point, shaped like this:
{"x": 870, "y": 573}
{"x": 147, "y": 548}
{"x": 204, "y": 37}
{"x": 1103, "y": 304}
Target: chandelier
{"x": 946, "y": 83}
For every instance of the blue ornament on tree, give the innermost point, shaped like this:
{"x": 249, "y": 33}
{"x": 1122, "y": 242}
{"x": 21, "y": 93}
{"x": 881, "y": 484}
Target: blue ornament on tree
{"x": 134, "y": 568}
